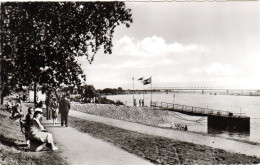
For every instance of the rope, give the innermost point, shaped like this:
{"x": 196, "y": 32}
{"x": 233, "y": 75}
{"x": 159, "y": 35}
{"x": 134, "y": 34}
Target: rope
{"x": 182, "y": 118}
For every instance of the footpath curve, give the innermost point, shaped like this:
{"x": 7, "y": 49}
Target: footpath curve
{"x": 195, "y": 138}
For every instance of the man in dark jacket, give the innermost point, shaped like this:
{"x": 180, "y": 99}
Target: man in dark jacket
{"x": 64, "y": 108}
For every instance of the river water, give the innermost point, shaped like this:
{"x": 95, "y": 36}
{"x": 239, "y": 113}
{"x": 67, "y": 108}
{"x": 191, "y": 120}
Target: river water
{"x": 250, "y": 105}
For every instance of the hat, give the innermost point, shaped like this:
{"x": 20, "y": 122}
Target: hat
{"x": 38, "y": 110}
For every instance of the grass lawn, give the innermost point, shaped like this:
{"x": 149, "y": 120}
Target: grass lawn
{"x": 159, "y": 150}
{"x": 13, "y": 146}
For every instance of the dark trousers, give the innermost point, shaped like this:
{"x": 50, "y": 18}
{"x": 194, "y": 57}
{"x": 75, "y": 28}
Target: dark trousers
{"x": 48, "y": 113}
{"x": 64, "y": 118}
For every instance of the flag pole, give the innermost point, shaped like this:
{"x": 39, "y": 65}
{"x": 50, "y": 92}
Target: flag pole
{"x": 133, "y": 91}
{"x": 151, "y": 91}
{"x": 143, "y": 91}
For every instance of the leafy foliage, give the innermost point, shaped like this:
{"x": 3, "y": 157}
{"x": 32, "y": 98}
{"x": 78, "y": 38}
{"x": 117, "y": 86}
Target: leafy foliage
{"x": 41, "y": 41}
{"x": 112, "y": 91}
{"x": 88, "y": 91}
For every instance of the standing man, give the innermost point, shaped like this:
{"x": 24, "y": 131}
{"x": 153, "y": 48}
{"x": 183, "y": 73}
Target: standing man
{"x": 64, "y": 110}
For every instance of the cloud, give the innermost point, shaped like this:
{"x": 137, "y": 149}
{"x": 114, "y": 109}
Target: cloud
{"x": 152, "y": 46}
{"x": 132, "y": 64}
{"x": 215, "y": 69}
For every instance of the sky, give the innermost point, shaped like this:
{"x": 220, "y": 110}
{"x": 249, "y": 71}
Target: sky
{"x": 183, "y": 44}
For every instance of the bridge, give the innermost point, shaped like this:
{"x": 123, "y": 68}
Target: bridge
{"x": 201, "y": 89}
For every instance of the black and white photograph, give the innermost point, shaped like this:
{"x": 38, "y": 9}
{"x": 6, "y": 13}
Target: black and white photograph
{"x": 130, "y": 82}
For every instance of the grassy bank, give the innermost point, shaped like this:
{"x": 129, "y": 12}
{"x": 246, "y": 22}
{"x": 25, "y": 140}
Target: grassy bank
{"x": 143, "y": 115}
{"x": 159, "y": 150}
{"x": 13, "y": 146}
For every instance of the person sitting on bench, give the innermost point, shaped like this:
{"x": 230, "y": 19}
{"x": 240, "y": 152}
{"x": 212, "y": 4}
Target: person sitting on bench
{"x": 38, "y": 132}
{"x": 16, "y": 112}
{"x": 9, "y": 106}
{"x": 28, "y": 121}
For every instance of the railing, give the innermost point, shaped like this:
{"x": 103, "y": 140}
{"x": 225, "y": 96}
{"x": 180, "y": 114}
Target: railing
{"x": 195, "y": 110}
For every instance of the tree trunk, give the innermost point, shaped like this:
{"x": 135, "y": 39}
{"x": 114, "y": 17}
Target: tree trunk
{"x": 35, "y": 86}
{"x": 2, "y": 98}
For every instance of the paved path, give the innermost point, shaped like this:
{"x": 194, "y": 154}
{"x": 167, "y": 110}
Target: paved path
{"x": 80, "y": 148}
{"x": 215, "y": 142}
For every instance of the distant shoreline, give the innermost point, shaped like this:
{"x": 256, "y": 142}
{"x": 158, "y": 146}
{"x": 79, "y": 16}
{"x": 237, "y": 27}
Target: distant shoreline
{"x": 188, "y": 92}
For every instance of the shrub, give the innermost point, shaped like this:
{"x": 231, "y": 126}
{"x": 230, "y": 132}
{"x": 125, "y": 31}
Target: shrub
{"x": 118, "y": 102}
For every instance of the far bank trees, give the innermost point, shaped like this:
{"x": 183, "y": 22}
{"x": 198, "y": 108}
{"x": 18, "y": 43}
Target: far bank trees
{"x": 41, "y": 41}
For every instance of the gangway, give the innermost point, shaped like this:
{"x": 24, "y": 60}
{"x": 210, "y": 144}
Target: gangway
{"x": 217, "y": 119}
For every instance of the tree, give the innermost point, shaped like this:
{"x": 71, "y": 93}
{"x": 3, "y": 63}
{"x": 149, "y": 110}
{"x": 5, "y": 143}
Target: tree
{"x": 88, "y": 91}
{"x": 42, "y": 41}
{"x": 120, "y": 89}
{"x": 107, "y": 91}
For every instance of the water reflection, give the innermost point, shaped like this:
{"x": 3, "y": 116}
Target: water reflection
{"x": 243, "y": 135}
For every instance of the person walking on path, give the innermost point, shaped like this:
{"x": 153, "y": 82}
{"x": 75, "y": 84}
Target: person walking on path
{"x": 54, "y": 108}
{"x": 64, "y": 110}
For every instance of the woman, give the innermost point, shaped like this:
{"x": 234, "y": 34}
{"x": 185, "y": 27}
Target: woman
{"x": 38, "y": 132}
{"x": 54, "y": 108}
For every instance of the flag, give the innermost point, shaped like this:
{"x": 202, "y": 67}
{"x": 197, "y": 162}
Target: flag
{"x": 140, "y": 79}
{"x": 147, "y": 81}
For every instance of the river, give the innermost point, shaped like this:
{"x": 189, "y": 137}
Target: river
{"x": 236, "y": 104}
